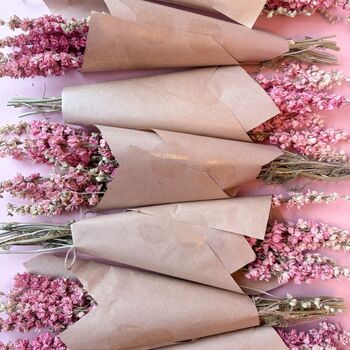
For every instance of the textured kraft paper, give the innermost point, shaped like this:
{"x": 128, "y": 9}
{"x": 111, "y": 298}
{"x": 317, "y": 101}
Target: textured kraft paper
{"x": 201, "y": 242}
{"x": 220, "y": 102}
{"x": 165, "y": 167}
{"x": 261, "y": 338}
{"x": 244, "y": 12}
{"x": 143, "y": 35}
{"x": 141, "y": 310}
{"x": 76, "y": 8}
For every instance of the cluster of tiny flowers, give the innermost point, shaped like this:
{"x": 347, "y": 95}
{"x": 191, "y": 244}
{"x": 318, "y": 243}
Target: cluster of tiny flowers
{"x": 49, "y": 45}
{"x": 285, "y": 252}
{"x": 328, "y": 336}
{"x": 43, "y": 341}
{"x": 313, "y": 142}
{"x": 39, "y": 302}
{"x": 300, "y": 199}
{"x": 292, "y": 8}
{"x": 82, "y": 161}
{"x": 300, "y": 90}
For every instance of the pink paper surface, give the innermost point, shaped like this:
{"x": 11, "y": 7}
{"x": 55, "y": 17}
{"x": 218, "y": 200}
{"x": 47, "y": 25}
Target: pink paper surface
{"x": 335, "y": 214}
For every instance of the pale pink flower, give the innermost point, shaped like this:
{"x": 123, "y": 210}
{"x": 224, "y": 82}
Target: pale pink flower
{"x": 327, "y": 336}
{"x": 49, "y": 45}
{"x": 285, "y": 253}
{"x": 82, "y": 163}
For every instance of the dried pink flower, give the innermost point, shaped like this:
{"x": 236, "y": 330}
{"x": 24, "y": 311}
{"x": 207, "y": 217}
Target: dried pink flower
{"x": 82, "y": 161}
{"x": 285, "y": 252}
{"x": 301, "y": 90}
{"x": 49, "y": 45}
{"x": 39, "y": 302}
{"x": 327, "y": 336}
{"x": 43, "y": 341}
{"x": 292, "y": 8}
{"x": 300, "y": 199}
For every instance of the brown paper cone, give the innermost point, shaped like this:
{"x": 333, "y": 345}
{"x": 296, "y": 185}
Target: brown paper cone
{"x": 220, "y": 102}
{"x": 142, "y": 35}
{"x": 140, "y": 310}
{"x": 165, "y": 167}
{"x": 201, "y": 242}
{"x": 243, "y": 12}
{"x": 261, "y": 338}
{"x": 76, "y": 8}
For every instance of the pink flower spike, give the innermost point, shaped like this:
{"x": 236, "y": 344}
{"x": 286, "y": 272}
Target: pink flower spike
{"x": 39, "y": 302}
{"x": 326, "y": 336}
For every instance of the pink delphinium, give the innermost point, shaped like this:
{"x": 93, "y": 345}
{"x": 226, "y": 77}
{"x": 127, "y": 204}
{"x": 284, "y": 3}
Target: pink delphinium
{"x": 314, "y": 143}
{"x": 300, "y": 199}
{"x": 39, "y": 302}
{"x": 82, "y": 161}
{"x": 300, "y": 91}
{"x": 292, "y": 8}
{"x": 53, "y": 143}
{"x": 327, "y": 336}
{"x": 300, "y": 88}
{"x": 49, "y": 45}
{"x": 43, "y": 341}
{"x": 285, "y": 253}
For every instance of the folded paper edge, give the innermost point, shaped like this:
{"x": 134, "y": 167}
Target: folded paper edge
{"x": 263, "y": 213}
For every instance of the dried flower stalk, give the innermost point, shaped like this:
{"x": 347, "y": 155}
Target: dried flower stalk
{"x": 311, "y": 50}
{"x": 47, "y": 236}
{"x": 277, "y": 312}
{"x": 290, "y": 166}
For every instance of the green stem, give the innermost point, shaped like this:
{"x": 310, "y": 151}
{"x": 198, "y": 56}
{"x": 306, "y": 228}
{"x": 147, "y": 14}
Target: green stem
{"x": 37, "y": 105}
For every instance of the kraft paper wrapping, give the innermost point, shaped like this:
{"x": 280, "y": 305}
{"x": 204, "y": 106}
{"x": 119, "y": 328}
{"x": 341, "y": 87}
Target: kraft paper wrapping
{"x": 243, "y": 12}
{"x": 261, "y": 338}
{"x": 201, "y": 242}
{"x": 48, "y": 265}
{"x": 141, "y": 310}
{"x": 220, "y": 102}
{"x": 76, "y": 8}
{"x": 142, "y": 35}
{"x": 165, "y": 167}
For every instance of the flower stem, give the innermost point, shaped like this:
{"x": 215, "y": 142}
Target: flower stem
{"x": 310, "y": 50}
{"x": 289, "y": 166}
{"x": 48, "y": 236}
{"x": 37, "y": 106}
{"x": 289, "y": 311}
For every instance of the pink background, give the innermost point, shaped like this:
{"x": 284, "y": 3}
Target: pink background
{"x": 335, "y": 214}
